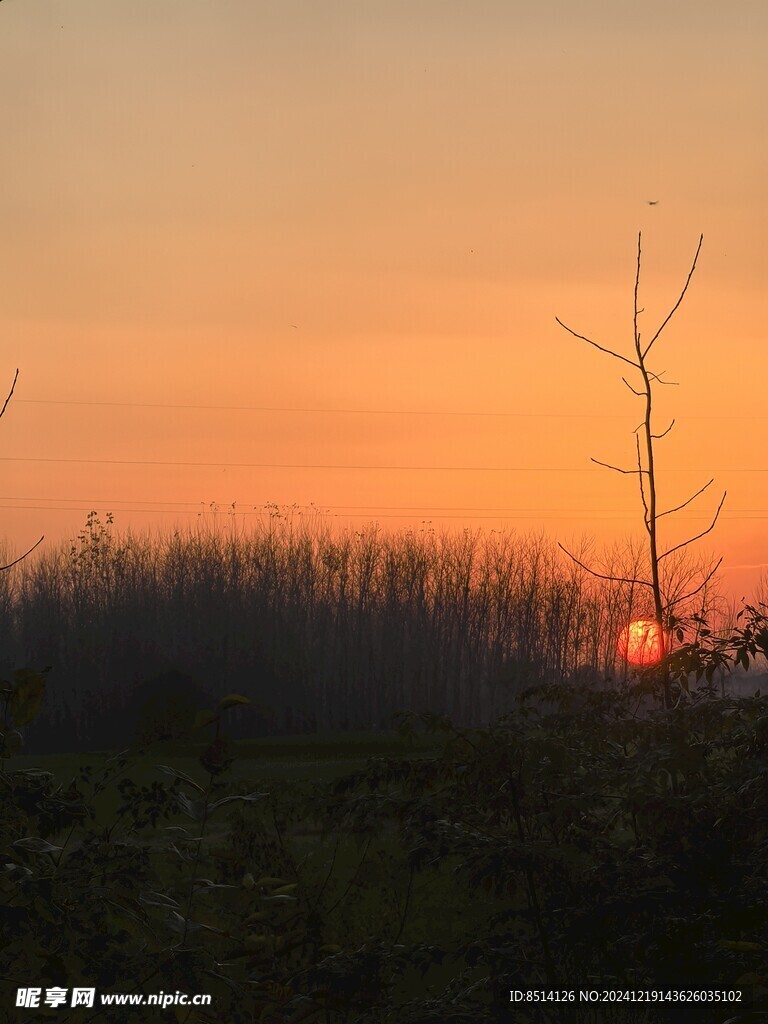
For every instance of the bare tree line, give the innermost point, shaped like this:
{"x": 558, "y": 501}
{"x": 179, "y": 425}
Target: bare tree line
{"x": 323, "y": 630}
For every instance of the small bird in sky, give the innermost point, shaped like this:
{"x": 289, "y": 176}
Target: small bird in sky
{"x": 653, "y": 202}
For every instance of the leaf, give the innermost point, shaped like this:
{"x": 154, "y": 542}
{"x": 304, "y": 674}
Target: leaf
{"x": 741, "y": 947}
{"x": 177, "y": 923}
{"x": 260, "y": 915}
{"x": 35, "y": 845}
{"x": 231, "y": 700}
{"x": 12, "y": 869}
{"x": 248, "y": 797}
{"x": 285, "y": 890}
{"x": 176, "y": 774}
{"x": 157, "y": 899}
{"x": 129, "y": 906}
{"x": 206, "y": 883}
{"x": 192, "y": 808}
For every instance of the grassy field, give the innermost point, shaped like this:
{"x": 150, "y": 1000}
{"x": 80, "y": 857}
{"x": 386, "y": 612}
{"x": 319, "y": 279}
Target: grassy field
{"x": 301, "y": 757}
{"x": 258, "y": 763}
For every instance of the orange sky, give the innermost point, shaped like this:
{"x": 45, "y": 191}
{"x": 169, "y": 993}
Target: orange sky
{"x": 381, "y": 207}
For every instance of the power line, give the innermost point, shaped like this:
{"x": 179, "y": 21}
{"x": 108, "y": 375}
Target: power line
{"x": 425, "y": 516}
{"x": 324, "y": 508}
{"x": 379, "y": 468}
{"x": 365, "y": 412}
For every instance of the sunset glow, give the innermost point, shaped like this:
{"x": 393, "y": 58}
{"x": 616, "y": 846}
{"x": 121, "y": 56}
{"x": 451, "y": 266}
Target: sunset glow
{"x": 640, "y": 643}
{"x": 311, "y": 254}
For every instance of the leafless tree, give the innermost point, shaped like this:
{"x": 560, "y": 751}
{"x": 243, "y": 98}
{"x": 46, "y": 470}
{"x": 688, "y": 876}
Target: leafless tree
{"x": 665, "y": 600}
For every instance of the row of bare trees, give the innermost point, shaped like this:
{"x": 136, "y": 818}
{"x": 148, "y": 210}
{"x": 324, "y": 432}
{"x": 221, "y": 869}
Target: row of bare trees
{"x": 321, "y": 630}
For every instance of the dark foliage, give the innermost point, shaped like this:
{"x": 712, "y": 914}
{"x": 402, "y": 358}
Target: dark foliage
{"x": 570, "y": 846}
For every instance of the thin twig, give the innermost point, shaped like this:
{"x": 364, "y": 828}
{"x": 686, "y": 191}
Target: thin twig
{"x": 601, "y": 576}
{"x": 10, "y": 564}
{"x": 411, "y": 872}
{"x": 630, "y": 472}
{"x": 635, "y": 332}
{"x": 694, "y": 592}
{"x": 10, "y": 392}
{"x": 657, "y": 437}
{"x": 678, "y": 507}
{"x": 698, "y": 535}
{"x": 646, "y": 511}
{"x": 590, "y": 342}
{"x": 640, "y": 394}
{"x": 682, "y": 294}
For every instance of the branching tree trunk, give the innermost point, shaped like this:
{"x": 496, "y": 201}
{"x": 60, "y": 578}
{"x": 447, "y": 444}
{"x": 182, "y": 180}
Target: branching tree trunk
{"x": 663, "y": 603}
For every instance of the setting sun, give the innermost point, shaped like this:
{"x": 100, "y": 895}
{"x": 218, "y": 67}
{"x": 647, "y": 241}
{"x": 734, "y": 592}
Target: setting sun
{"x": 640, "y": 643}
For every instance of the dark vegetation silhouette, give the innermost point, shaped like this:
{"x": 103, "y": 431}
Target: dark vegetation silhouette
{"x": 322, "y": 631}
{"x": 528, "y": 828}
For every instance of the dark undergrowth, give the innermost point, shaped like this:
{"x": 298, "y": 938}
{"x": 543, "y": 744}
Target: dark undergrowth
{"x": 571, "y": 847}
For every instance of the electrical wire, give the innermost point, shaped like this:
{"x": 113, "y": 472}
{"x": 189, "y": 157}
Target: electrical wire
{"x": 376, "y": 468}
{"x": 366, "y": 412}
{"x": 425, "y": 515}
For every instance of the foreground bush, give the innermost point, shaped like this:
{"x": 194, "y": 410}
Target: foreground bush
{"x": 572, "y": 845}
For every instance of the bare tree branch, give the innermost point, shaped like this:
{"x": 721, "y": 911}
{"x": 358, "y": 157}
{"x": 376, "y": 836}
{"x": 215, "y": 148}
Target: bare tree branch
{"x": 590, "y": 342}
{"x": 617, "y": 469}
{"x": 657, "y": 437}
{"x": 635, "y": 332}
{"x": 678, "y": 507}
{"x": 646, "y": 513}
{"x": 601, "y": 576}
{"x": 700, "y": 587}
{"x": 2, "y": 413}
{"x": 10, "y": 392}
{"x": 657, "y": 377}
{"x": 682, "y": 295}
{"x": 640, "y": 394}
{"x": 16, "y": 560}
{"x": 698, "y": 535}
